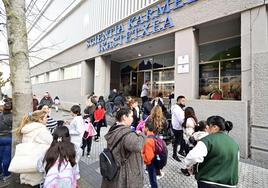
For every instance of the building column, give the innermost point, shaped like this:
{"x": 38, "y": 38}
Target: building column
{"x": 87, "y": 77}
{"x": 102, "y": 76}
{"x": 254, "y": 55}
{"x": 186, "y": 64}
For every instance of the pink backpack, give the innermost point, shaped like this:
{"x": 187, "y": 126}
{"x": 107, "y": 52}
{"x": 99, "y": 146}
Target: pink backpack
{"x": 89, "y": 129}
{"x": 141, "y": 125}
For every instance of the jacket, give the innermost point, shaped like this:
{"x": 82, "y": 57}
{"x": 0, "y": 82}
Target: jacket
{"x": 99, "y": 114}
{"x": 42, "y": 136}
{"x": 127, "y": 155}
{"x": 148, "y": 150}
{"x": 5, "y": 124}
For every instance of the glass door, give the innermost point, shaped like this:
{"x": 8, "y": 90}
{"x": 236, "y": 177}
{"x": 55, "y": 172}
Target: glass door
{"x": 141, "y": 78}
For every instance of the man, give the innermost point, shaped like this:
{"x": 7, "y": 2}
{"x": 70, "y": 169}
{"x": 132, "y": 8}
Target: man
{"x": 177, "y": 119}
{"x": 145, "y": 90}
{"x": 46, "y": 100}
{"x": 35, "y": 103}
{"x": 217, "y": 155}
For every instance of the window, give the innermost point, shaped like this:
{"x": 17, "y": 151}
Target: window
{"x": 53, "y": 76}
{"x": 72, "y": 72}
{"x": 33, "y": 80}
{"x": 41, "y": 78}
{"x": 223, "y": 74}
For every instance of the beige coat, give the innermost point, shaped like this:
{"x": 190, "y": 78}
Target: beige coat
{"x": 130, "y": 174}
{"x": 38, "y": 133}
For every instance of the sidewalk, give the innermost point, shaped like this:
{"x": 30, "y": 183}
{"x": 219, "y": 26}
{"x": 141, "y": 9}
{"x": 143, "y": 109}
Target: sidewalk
{"x": 251, "y": 174}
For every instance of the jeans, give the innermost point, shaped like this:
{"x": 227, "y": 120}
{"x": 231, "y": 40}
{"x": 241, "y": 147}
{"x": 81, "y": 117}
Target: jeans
{"x": 178, "y": 139}
{"x": 86, "y": 143}
{"x": 5, "y": 154}
{"x": 152, "y": 175}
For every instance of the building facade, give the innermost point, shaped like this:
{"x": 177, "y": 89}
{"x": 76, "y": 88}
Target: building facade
{"x": 196, "y": 48}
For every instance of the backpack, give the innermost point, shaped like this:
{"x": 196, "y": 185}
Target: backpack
{"x": 161, "y": 152}
{"x": 66, "y": 177}
{"x": 89, "y": 129}
{"x": 108, "y": 166}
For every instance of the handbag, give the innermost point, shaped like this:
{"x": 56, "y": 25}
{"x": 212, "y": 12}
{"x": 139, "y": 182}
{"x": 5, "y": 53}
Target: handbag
{"x": 26, "y": 156}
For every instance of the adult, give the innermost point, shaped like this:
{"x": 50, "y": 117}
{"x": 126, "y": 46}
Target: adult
{"x": 46, "y": 100}
{"x": 51, "y": 123}
{"x": 110, "y": 103}
{"x": 35, "y": 103}
{"x": 90, "y": 109}
{"x": 33, "y": 129}
{"x": 132, "y": 104}
{"x": 213, "y": 153}
{"x": 177, "y": 118}
{"x": 146, "y": 108}
{"x": 127, "y": 153}
{"x": 119, "y": 101}
{"x": 145, "y": 90}
{"x": 189, "y": 124}
{"x": 5, "y": 140}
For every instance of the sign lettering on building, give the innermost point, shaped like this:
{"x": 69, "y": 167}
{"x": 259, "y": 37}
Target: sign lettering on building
{"x": 154, "y": 20}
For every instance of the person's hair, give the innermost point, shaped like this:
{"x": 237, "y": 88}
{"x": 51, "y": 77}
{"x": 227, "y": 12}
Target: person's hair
{"x": 228, "y": 126}
{"x": 201, "y": 126}
{"x": 121, "y": 112}
{"x": 189, "y": 113}
{"x": 60, "y": 149}
{"x": 131, "y": 102}
{"x": 76, "y": 110}
{"x": 180, "y": 97}
{"x": 160, "y": 94}
{"x": 36, "y": 116}
{"x": 40, "y": 107}
{"x": 157, "y": 118}
{"x": 101, "y": 98}
{"x": 150, "y": 126}
{"x": 218, "y": 121}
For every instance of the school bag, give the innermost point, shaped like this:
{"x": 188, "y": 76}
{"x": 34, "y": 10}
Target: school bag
{"x": 108, "y": 166}
{"x": 63, "y": 178}
{"x": 161, "y": 152}
{"x": 89, "y": 129}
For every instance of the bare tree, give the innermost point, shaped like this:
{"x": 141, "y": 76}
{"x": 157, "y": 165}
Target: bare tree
{"x": 18, "y": 59}
{"x": 2, "y": 83}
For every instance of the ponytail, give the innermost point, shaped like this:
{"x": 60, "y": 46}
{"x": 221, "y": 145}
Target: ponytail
{"x": 228, "y": 126}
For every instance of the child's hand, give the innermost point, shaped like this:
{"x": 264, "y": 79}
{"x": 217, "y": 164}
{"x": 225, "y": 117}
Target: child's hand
{"x": 138, "y": 131}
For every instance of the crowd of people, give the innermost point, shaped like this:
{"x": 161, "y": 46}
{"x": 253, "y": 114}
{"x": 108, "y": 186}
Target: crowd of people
{"x": 137, "y": 140}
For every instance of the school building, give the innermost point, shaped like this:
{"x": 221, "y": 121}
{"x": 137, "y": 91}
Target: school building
{"x": 195, "y": 47}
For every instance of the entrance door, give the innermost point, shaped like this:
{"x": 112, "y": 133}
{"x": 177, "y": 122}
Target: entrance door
{"x": 141, "y": 78}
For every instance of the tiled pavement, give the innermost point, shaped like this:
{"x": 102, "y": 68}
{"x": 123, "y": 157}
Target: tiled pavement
{"x": 251, "y": 174}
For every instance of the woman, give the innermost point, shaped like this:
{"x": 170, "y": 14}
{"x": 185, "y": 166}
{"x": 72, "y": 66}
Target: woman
{"x": 189, "y": 124}
{"x": 127, "y": 153}
{"x": 33, "y": 129}
{"x": 133, "y": 104}
{"x": 217, "y": 155}
{"x": 5, "y": 139}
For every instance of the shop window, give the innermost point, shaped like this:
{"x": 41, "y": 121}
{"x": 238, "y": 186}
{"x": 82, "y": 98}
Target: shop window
{"x": 145, "y": 64}
{"x": 163, "y": 81}
{"x": 72, "y": 72}
{"x": 220, "y": 80}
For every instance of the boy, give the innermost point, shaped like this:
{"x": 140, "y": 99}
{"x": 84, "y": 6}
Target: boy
{"x": 148, "y": 154}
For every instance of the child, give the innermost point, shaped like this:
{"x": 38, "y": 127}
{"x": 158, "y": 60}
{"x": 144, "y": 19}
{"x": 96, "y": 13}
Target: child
{"x": 76, "y": 130}
{"x": 201, "y": 131}
{"x": 57, "y": 103}
{"x": 148, "y": 154}
{"x": 87, "y": 138}
{"x": 99, "y": 116}
{"x": 59, "y": 161}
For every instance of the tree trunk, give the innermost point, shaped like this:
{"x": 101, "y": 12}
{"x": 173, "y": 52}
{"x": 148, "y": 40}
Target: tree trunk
{"x": 18, "y": 61}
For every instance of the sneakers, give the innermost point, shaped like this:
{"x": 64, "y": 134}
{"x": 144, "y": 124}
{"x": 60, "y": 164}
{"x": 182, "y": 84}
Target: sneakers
{"x": 160, "y": 176}
{"x": 185, "y": 172}
{"x": 176, "y": 158}
{"x": 6, "y": 178}
{"x": 88, "y": 155}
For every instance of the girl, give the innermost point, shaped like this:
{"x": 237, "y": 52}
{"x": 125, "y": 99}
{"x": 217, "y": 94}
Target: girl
{"x": 189, "y": 124}
{"x": 99, "y": 116}
{"x": 57, "y": 103}
{"x": 132, "y": 104}
{"x": 76, "y": 131}
{"x": 87, "y": 138}
{"x": 59, "y": 161}
{"x": 33, "y": 129}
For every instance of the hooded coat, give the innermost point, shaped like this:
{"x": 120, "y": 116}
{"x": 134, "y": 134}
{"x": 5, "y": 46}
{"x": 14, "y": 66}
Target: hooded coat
{"x": 127, "y": 155}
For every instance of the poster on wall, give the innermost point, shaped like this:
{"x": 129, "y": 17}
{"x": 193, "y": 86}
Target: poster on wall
{"x": 183, "y": 64}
